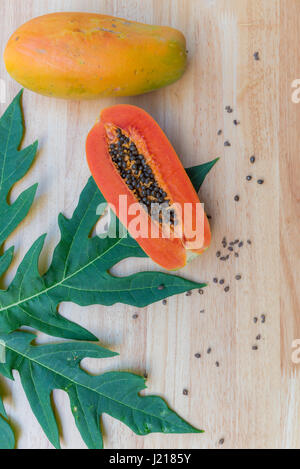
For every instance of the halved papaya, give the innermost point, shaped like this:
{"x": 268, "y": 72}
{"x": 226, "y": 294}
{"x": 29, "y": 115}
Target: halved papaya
{"x": 133, "y": 162}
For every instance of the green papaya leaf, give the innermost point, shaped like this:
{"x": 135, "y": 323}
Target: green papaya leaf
{"x": 7, "y": 438}
{"x": 14, "y": 164}
{"x": 44, "y": 368}
{"x": 197, "y": 174}
{"x": 79, "y": 273}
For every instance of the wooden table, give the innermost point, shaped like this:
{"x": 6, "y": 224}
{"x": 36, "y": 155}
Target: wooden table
{"x": 252, "y": 399}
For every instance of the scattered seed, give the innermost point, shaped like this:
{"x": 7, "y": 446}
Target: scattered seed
{"x": 254, "y": 347}
{"x": 227, "y": 144}
{"x": 230, "y": 248}
{"x": 209, "y": 351}
{"x": 256, "y": 56}
{"x": 221, "y": 442}
{"x": 241, "y": 244}
{"x": 237, "y": 198}
{"x": 220, "y": 132}
{"x": 252, "y": 159}
{"x": 258, "y": 337}
{"x": 165, "y": 302}
{"x": 236, "y": 122}
{"x": 146, "y": 375}
{"x": 201, "y": 292}
{"x": 223, "y": 258}
{"x": 189, "y": 293}
{"x": 217, "y": 364}
{"x": 135, "y": 316}
{"x": 236, "y": 241}
{"x": 218, "y": 253}
{"x": 197, "y": 355}
{"x": 238, "y": 277}
{"x": 255, "y": 320}
{"x": 161, "y": 287}
{"x": 263, "y": 318}
{"x": 215, "y": 280}
{"x": 228, "y": 109}
{"x": 249, "y": 241}
{"x": 185, "y": 392}
{"x": 260, "y": 181}
{"x": 202, "y": 311}
{"x": 209, "y": 217}
{"x": 222, "y": 281}
{"x": 249, "y": 178}
{"x": 226, "y": 289}
{"x": 236, "y": 254}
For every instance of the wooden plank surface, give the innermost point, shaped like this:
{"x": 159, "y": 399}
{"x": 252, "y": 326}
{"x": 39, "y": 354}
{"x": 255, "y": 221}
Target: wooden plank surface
{"x": 252, "y": 399}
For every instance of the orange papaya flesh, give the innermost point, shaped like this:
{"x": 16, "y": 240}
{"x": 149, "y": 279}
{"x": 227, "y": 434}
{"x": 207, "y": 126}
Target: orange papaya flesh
{"x": 86, "y": 55}
{"x": 129, "y": 155}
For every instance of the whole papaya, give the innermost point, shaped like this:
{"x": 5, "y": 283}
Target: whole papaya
{"x": 85, "y": 56}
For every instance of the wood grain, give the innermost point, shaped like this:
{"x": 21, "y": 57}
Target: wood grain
{"x": 252, "y": 399}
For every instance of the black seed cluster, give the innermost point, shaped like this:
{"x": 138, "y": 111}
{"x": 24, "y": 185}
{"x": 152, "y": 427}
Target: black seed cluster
{"x": 231, "y": 246}
{"x": 140, "y": 179}
{"x": 229, "y": 109}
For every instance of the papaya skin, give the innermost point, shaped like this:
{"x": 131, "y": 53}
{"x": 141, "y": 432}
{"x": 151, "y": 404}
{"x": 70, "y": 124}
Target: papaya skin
{"x": 170, "y": 253}
{"x": 88, "y": 56}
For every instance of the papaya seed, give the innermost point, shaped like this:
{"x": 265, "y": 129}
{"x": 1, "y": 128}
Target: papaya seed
{"x": 139, "y": 176}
